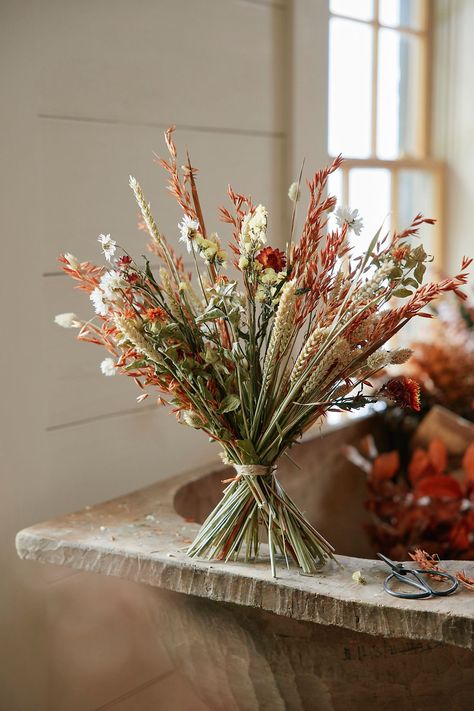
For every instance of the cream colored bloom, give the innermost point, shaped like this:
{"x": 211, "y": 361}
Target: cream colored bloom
{"x": 378, "y": 359}
{"x": 268, "y": 276}
{"x": 112, "y": 282}
{"x": 294, "y": 192}
{"x": 107, "y": 367}
{"x": 254, "y": 230}
{"x": 400, "y": 355}
{"x": 67, "y": 320}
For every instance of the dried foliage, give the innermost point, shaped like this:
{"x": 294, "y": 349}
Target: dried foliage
{"x": 426, "y": 504}
{"x": 432, "y": 562}
{"x": 444, "y": 363}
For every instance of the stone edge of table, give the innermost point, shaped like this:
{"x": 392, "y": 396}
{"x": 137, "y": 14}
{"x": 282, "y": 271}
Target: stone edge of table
{"x": 120, "y": 538}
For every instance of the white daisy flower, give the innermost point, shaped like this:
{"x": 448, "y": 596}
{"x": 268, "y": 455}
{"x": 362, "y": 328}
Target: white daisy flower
{"x": 346, "y": 216}
{"x": 108, "y": 245}
{"x": 97, "y": 298}
{"x": 67, "y": 320}
{"x": 189, "y": 228}
{"x": 108, "y": 367}
{"x": 294, "y": 192}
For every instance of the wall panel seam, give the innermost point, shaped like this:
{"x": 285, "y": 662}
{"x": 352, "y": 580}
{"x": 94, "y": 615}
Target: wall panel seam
{"x": 105, "y": 416}
{"x": 259, "y": 133}
{"x": 271, "y": 4}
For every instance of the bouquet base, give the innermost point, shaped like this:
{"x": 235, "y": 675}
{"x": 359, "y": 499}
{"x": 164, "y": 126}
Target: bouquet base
{"x": 255, "y": 509}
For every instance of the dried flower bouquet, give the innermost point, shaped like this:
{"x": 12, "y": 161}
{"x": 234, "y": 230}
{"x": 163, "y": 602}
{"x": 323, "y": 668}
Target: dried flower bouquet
{"x": 255, "y": 361}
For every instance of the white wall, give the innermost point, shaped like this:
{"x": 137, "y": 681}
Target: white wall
{"x": 453, "y": 112}
{"x": 87, "y": 87}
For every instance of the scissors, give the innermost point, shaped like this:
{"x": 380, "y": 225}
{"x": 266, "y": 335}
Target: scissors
{"x": 417, "y": 579}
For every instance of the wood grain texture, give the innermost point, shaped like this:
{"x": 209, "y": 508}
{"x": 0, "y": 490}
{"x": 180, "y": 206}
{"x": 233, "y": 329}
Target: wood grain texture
{"x": 140, "y": 537}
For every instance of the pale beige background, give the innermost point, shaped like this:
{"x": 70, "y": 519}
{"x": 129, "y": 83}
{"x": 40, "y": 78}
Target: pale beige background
{"x": 86, "y": 89}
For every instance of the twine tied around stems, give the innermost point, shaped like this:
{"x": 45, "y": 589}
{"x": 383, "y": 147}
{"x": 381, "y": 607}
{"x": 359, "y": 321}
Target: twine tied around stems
{"x": 252, "y": 470}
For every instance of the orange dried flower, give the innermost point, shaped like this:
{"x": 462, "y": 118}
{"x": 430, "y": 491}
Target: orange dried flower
{"x": 155, "y": 314}
{"x": 271, "y": 258}
{"x": 400, "y": 253}
{"x": 404, "y": 391}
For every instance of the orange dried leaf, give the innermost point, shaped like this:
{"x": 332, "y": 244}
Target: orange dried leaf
{"x": 386, "y": 465}
{"x": 420, "y": 466}
{"x": 438, "y": 486}
{"x": 465, "y": 580}
{"x": 459, "y": 536}
{"x": 424, "y": 559}
{"x": 438, "y": 455}
{"x": 468, "y": 462}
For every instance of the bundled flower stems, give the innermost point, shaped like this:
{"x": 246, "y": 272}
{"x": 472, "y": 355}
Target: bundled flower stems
{"x": 255, "y": 360}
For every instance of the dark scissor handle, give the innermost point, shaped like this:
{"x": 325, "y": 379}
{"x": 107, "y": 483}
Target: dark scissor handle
{"x": 420, "y": 582}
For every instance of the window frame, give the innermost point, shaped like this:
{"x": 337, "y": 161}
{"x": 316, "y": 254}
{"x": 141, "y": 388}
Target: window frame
{"x": 422, "y": 160}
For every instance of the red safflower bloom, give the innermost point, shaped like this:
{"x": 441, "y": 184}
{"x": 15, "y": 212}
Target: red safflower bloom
{"x": 404, "y": 391}
{"x": 124, "y": 261}
{"x": 271, "y": 258}
{"x": 132, "y": 277}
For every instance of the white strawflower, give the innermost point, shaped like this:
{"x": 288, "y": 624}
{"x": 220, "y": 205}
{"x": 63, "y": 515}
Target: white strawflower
{"x": 97, "y": 298}
{"x": 112, "y": 282}
{"x": 108, "y": 367}
{"x": 73, "y": 261}
{"x": 294, "y": 192}
{"x": 67, "y": 320}
{"x": 254, "y": 230}
{"x": 108, "y": 245}
{"x": 346, "y": 216}
{"x": 189, "y": 228}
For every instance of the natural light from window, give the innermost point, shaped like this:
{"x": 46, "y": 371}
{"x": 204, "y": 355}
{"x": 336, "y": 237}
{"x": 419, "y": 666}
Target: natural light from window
{"x": 378, "y": 114}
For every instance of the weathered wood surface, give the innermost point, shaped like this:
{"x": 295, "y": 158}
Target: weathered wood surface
{"x": 141, "y": 537}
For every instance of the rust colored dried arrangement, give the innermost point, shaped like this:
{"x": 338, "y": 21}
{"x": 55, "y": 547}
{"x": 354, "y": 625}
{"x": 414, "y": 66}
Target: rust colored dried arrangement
{"x": 427, "y": 504}
{"x": 444, "y": 364}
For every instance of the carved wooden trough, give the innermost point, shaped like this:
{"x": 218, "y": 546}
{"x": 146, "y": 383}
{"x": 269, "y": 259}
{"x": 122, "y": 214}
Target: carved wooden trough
{"x": 247, "y": 641}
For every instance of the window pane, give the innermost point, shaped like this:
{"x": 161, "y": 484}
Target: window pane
{"x": 398, "y": 94}
{"x": 401, "y": 13}
{"x": 350, "y": 70}
{"x": 416, "y": 194}
{"x": 369, "y": 192}
{"x": 360, "y": 9}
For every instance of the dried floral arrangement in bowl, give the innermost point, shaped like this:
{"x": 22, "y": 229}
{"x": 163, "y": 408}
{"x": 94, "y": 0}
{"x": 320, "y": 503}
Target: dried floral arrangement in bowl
{"x": 256, "y": 360}
{"x": 443, "y": 363}
{"x": 419, "y": 499}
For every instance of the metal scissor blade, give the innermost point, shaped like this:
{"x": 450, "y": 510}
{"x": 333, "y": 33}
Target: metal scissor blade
{"x": 396, "y": 567}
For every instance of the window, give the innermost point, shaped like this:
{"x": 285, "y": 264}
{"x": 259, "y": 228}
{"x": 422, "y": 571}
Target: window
{"x": 379, "y": 114}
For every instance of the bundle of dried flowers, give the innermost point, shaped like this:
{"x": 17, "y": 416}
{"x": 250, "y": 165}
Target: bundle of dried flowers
{"x": 426, "y": 504}
{"x": 225, "y": 353}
